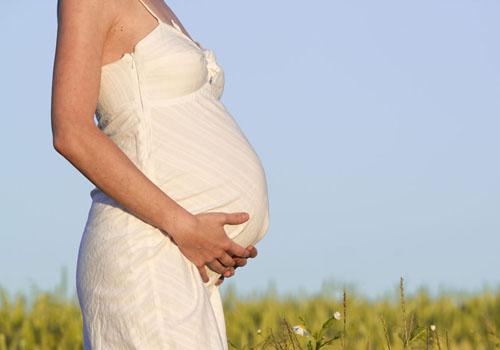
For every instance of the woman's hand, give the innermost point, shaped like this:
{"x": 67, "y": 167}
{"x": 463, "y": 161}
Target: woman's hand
{"x": 204, "y": 241}
{"x": 239, "y": 262}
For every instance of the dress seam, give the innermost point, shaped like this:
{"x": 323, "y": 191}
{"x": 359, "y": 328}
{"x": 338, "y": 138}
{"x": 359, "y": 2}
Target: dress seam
{"x": 143, "y": 149}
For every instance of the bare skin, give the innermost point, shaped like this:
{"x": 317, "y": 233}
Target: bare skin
{"x": 92, "y": 33}
{"x": 239, "y": 262}
{"x": 132, "y": 22}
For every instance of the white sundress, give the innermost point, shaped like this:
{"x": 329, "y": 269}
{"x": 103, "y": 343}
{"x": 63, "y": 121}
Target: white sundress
{"x": 161, "y": 105}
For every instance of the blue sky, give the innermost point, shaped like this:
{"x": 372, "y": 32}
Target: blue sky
{"x": 377, "y": 123}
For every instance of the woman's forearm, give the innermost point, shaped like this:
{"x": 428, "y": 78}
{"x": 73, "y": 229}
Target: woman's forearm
{"x": 100, "y": 160}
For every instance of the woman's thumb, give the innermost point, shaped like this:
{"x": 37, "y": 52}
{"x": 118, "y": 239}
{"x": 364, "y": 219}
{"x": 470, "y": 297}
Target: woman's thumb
{"x": 236, "y": 218}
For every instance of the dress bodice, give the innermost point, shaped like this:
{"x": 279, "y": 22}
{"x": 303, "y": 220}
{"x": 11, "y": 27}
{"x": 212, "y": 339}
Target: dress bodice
{"x": 164, "y": 65}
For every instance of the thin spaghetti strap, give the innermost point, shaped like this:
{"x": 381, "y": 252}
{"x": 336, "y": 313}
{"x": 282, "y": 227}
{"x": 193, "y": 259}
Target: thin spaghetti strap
{"x": 150, "y": 11}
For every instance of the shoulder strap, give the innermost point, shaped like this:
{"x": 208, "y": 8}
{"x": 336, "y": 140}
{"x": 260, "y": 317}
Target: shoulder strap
{"x": 150, "y": 11}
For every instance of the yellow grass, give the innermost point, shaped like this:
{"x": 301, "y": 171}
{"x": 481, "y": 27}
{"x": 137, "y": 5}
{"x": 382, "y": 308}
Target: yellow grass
{"x": 50, "y": 320}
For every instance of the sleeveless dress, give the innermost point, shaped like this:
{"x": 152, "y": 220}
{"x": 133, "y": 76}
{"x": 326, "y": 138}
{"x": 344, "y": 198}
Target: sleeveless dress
{"x": 161, "y": 105}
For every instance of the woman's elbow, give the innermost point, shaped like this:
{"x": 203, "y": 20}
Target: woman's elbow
{"x": 61, "y": 140}
{"x": 66, "y": 136}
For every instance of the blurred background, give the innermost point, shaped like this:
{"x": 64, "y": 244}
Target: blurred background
{"x": 377, "y": 124}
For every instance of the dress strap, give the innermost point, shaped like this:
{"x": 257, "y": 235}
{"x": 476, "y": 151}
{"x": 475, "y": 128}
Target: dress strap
{"x": 150, "y": 10}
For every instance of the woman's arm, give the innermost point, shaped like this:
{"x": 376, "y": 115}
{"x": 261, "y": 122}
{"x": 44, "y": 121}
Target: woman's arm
{"x": 82, "y": 31}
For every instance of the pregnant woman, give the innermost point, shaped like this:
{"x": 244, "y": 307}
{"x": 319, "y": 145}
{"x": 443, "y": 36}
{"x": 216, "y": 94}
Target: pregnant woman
{"x": 180, "y": 196}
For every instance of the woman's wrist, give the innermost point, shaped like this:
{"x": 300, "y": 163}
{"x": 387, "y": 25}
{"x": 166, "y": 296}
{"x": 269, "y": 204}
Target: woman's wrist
{"x": 177, "y": 221}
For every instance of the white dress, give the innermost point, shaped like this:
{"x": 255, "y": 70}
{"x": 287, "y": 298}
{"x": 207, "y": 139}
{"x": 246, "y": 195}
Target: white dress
{"x": 161, "y": 105}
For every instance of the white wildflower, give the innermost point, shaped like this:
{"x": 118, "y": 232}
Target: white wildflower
{"x": 300, "y": 329}
{"x": 337, "y": 315}
{"x": 433, "y": 327}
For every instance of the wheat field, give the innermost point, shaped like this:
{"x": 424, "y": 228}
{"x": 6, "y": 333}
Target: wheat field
{"x": 337, "y": 320}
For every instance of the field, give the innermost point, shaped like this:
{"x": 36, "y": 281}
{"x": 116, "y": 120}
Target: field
{"x": 339, "y": 320}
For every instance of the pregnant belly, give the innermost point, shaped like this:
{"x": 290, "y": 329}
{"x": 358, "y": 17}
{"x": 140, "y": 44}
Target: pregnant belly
{"x": 205, "y": 163}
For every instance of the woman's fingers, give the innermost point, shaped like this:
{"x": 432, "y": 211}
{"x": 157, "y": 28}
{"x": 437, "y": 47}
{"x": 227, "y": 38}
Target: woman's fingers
{"x": 252, "y": 250}
{"x": 235, "y": 218}
{"x": 236, "y": 250}
{"x": 203, "y": 273}
{"x": 226, "y": 260}
{"x": 216, "y": 266}
{"x": 228, "y": 273}
{"x": 240, "y": 262}
{"x": 219, "y": 281}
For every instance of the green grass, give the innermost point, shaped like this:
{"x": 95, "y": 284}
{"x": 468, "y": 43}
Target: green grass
{"x": 339, "y": 320}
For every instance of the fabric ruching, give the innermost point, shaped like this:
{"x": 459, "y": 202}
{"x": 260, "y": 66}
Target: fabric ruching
{"x": 215, "y": 72}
